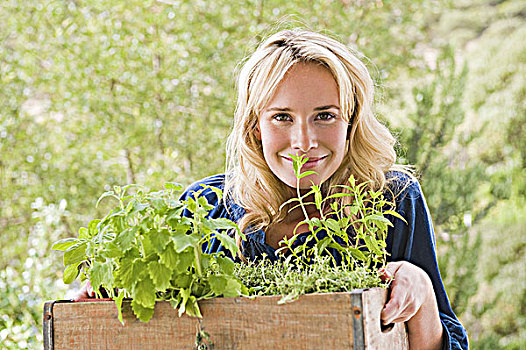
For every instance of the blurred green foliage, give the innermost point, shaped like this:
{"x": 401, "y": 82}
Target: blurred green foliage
{"x": 96, "y": 93}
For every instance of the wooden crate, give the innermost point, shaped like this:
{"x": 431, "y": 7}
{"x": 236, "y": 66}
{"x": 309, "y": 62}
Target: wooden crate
{"x": 315, "y": 321}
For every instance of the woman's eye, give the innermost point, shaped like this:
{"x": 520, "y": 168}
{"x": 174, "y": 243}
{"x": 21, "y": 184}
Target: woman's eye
{"x": 325, "y": 116}
{"x": 282, "y": 117}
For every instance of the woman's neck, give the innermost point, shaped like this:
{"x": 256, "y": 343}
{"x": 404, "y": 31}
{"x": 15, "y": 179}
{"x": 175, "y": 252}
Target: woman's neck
{"x": 297, "y": 214}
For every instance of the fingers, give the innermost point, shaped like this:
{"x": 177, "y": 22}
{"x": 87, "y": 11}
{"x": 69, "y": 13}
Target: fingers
{"x": 395, "y": 308}
{"x": 387, "y": 273}
{"x": 85, "y": 292}
{"x": 400, "y": 308}
{"x": 409, "y": 288}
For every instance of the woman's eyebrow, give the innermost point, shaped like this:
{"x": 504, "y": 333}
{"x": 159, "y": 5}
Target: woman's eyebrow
{"x": 280, "y": 109}
{"x": 321, "y": 108}
{"x": 286, "y": 109}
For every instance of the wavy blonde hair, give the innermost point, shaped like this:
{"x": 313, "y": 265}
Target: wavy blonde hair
{"x": 370, "y": 149}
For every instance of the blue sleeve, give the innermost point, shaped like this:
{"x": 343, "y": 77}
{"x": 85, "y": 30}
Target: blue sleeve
{"x": 415, "y": 242}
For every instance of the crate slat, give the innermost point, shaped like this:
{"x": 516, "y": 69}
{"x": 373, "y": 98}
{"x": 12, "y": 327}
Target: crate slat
{"x": 314, "y": 321}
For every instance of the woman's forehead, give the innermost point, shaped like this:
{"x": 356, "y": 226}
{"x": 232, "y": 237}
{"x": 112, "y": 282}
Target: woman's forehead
{"x": 307, "y": 84}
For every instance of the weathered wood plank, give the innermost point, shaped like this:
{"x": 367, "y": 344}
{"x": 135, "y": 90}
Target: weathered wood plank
{"x": 315, "y": 321}
{"x": 393, "y": 337}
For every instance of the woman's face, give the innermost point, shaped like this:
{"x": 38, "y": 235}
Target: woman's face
{"x": 304, "y": 117}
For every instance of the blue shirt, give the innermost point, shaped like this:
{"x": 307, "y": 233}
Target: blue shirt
{"x": 413, "y": 242}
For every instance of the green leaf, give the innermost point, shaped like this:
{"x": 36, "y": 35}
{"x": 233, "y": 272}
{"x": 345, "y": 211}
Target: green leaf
{"x": 183, "y": 225}
{"x": 228, "y": 242}
{"x": 354, "y": 209}
{"x": 64, "y": 244}
{"x": 332, "y": 225}
{"x": 71, "y": 272}
{"x": 173, "y": 186}
{"x": 298, "y": 162}
{"x": 205, "y": 261}
{"x": 317, "y": 198}
{"x": 296, "y": 168}
{"x": 372, "y": 244}
{"x": 395, "y": 214}
{"x": 222, "y": 224}
{"x": 159, "y": 205}
{"x": 131, "y": 269}
{"x": 75, "y": 253}
{"x": 185, "y": 260}
{"x": 169, "y": 256}
{"x": 226, "y": 265}
{"x": 218, "y": 284}
{"x": 160, "y": 275}
{"x": 323, "y": 244}
{"x": 118, "y": 304}
{"x": 192, "y": 308}
{"x": 233, "y": 288}
{"x": 183, "y": 280}
{"x": 173, "y": 217}
{"x": 146, "y": 223}
{"x": 136, "y": 207}
{"x": 107, "y": 194}
{"x": 126, "y": 237}
{"x": 144, "y": 292}
{"x": 306, "y": 173}
{"x": 93, "y": 227}
{"x": 379, "y": 218}
{"x": 101, "y": 275}
{"x": 191, "y": 205}
{"x": 112, "y": 251}
{"x": 182, "y": 241}
{"x": 204, "y": 203}
{"x": 143, "y": 313}
{"x": 185, "y": 295}
{"x": 339, "y": 195}
{"x": 357, "y": 253}
{"x": 159, "y": 239}
{"x": 84, "y": 233}
{"x": 147, "y": 247}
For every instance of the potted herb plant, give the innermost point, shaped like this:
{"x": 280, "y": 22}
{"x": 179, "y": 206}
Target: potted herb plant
{"x": 147, "y": 257}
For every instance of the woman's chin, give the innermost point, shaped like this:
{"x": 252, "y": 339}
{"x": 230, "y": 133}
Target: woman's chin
{"x": 307, "y": 182}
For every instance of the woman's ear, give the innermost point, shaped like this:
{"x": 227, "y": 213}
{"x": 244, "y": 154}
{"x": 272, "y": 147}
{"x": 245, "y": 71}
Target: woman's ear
{"x": 257, "y": 132}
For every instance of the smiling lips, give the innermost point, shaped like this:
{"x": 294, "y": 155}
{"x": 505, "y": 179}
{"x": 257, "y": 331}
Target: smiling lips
{"x": 311, "y": 163}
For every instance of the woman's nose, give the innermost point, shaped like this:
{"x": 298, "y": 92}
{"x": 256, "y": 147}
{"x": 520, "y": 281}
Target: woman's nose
{"x": 303, "y": 137}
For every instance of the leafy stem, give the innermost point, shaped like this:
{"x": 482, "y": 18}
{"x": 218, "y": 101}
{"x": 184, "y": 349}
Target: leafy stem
{"x": 298, "y": 162}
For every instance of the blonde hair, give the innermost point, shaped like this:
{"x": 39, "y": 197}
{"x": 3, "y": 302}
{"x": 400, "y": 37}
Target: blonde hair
{"x": 370, "y": 149}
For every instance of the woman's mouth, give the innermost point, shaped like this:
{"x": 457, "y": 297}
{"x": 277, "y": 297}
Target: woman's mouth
{"x": 313, "y": 162}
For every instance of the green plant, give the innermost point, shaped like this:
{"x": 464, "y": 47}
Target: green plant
{"x": 291, "y": 280}
{"x": 146, "y": 250}
{"x": 364, "y": 214}
{"x": 311, "y": 267}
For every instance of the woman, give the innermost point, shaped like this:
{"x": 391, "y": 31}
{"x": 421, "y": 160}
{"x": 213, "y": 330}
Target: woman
{"x": 305, "y": 93}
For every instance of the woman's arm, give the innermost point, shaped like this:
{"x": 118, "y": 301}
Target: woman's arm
{"x": 412, "y": 242}
{"x": 413, "y": 300}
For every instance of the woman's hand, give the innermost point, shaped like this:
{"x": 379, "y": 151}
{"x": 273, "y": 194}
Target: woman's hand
{"x": 85, "y": 292}
{"x": 413, "y": 301}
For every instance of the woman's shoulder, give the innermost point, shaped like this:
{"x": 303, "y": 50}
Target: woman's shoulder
{"x": 217, "y": 180}
{"x": 402, "y": 185}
